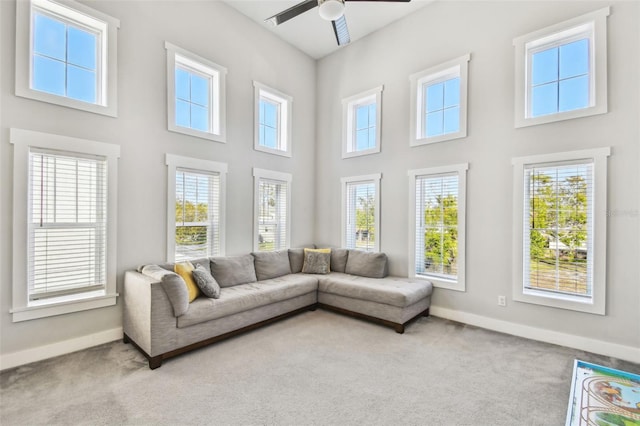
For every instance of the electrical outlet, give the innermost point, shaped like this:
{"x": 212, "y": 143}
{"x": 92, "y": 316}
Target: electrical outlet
{"x": 502, "y": 301}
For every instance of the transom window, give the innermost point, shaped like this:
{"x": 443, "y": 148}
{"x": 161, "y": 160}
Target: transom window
{"x": 273, "y": 120}
{"x": 439, "y": 102}
{"x": 561, "y": 71}
{"x": 361, "y": 128}
{"x": 272, "y": 210}
{"x": 195, "y": 208}
{"x": 361, "y": 212}
{"x": 196, "y": 95}
{"x": 561, "y": 198}
{"x": 66, "y": 55}
{"x": 438, "y": 228}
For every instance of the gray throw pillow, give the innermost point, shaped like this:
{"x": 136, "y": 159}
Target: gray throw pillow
{"x": 365, "y": 264}
{"x": 316, "y": 262}
{"x": 271, "y": 264}
{"x": 339, "y": 259}
{"x": 173, "y": 285}
{"x": 233, "y": 270}
{"x": 205, "y": 281}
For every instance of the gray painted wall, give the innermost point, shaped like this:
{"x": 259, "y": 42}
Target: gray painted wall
{"x": 214, "y": 31}
{"x": 447, "y": 30}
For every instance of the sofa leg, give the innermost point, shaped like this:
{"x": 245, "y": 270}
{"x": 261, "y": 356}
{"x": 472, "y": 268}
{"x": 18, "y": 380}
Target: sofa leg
{"x": 125, "y": 338}
{"x": 155, "y": 362}
{"x": 313, "y": 308}
{"x": 399, "y": 328}
{"x": 426, "y": 313}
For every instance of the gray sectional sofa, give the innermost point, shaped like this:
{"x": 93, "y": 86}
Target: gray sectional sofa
{"x": 259, "y": 288}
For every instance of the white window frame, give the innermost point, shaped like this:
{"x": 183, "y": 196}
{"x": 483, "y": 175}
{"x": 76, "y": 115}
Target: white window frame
{"x": 217, "y": 93}
{"x": 175, "y": 162}
{"x": 594, "y": 26}
{"x": 458, "y": 67}
{"x": 364, "y": 179}
{"x": 285, "y": 119}
{"x": 349, "y": 107}
{"x": 24, "y": 141}
{"x": 597, "y": 303}
{"x": 258, "y": 175}
{"x": 106, "y": 28}
{"x": 458, "y": 284}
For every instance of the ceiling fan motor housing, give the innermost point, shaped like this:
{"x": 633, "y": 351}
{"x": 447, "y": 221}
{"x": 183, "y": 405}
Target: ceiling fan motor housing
{"x": 331, "y": 10}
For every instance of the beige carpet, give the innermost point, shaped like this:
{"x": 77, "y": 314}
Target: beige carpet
{"x": 314, "y": 368}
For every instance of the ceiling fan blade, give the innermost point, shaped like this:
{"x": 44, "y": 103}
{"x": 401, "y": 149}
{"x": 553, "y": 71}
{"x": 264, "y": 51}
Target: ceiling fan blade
{"x": 402, "y": 1}
{"x": 341, "y": 31}
{"x": 292, "y": 12}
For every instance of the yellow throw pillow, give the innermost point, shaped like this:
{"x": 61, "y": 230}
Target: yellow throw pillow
{"x": 184, "y": 269}
{"x": 324, "y": 250}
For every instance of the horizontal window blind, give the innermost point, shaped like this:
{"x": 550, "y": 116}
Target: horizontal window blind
{"x": 558, "y": 228}
{"x": 361, "y": 199}
{"x": 197, "y": 214}
{"x": 67, "y": 226}
{"x": 437, "y": 225}
{"x": 272, "y": 214}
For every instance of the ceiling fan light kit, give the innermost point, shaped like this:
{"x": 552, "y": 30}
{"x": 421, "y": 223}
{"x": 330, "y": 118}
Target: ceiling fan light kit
{"x": 330, "y": 10}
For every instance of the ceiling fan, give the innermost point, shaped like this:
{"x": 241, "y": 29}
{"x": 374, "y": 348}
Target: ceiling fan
{"x": 330, "y": 10}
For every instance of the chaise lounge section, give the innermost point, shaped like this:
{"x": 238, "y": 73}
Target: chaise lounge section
{"x": 257, "y": 289}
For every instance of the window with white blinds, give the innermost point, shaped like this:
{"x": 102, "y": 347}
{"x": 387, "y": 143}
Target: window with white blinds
{"x": 64, "y": 224}
{"x": 560, "y": 230}
{"x": 195, "y": 208}
{"x": 67, "y": 226}
{"x": 197, "y": 214}
{"x": 437, "y": 225}
{"x": 361, "y": 210}
{"x": 272, "y": 202}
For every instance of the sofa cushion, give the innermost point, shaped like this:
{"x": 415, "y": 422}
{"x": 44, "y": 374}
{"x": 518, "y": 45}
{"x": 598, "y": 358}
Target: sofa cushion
{"x": 400, "y": 292}
{"x": 365, "y": 264}
{"x": 339, "y": 259}
{"x": 185, "y": 270}
{"x": 316, "y": 261}
{"x": 271, "y": 264}
{"x": 244, "y": 297}
{"x": 205, "y": 281}
{"x": 173, "y": 285}
{"x": 233, "y": 270}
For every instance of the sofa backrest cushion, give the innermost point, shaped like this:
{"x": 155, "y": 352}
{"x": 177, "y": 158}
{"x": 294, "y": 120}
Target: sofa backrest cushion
{"x": 296, "y": 258}
{"x": 233, "y": 270}
{"x": 173, "y": 285}
{"x": 271, "y": 264}
{"x": 365, "y": 264}
{"x": 339, "y": 259}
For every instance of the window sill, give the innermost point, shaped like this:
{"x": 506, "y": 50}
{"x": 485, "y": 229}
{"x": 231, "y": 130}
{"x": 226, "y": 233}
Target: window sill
{"x": 62, "y": 305}
{"x": 572, "y": 303}
{"x": 198, "y": 134}
{"x": 361, "y": 153}
{"x": 561, "y": 116}
{"x": 441, "y": 282}
{"x": 273, "y": 151}
{"x": 109, "y": 110}
{"x": 436, "y": 139}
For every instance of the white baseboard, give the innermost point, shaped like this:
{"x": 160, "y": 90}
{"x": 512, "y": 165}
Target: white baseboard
{"x": 627, "y": 353}
{"x": 16, "y": 359}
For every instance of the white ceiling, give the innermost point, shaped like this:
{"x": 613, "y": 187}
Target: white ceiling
{"x": 313, "y": 35}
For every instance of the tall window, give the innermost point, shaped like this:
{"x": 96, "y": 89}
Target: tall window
{"x": 66, "y": 55}
{"x": 438, "y": 227}
{"x": 560, "y": 241}
{"x": 272, "y": 210}
{"x": 273, "y": 120}
{"x": 195, "y": 208}
{"x": 362, "y": 116}
{"x": 196, "y": 95}
{"x": 439, "y": 102}
{"x": 67, "y": 211}
{"x": 361, "y": 212}
{"x": 561, "y": 71}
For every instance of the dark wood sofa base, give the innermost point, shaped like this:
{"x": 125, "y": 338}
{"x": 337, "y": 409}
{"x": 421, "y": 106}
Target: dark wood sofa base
{"x": 399, "y": 328}
{"x": 156, "y": 361}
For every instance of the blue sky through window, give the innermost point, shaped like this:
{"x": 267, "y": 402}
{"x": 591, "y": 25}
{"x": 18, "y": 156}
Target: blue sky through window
{"x": 268, "y": 124}
{"x": 560, "y": 78}
{"x": 442, "y": 107}
{"x": 365, "y": 127}
{"x": 64, "y": 59}
{"x": 192, "y": 99}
